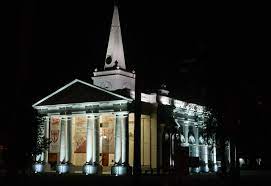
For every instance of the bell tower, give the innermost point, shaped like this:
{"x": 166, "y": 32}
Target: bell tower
{"x": 114, "y": 76}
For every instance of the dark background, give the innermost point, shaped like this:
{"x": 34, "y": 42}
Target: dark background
{"x": 212, "y": 54}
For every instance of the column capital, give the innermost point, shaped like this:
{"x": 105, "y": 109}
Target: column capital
{"x": 53, "y": 114}
{"x": 193, "y": 123}
{"x": 186, "y": 123}
{"x": 93, "y": 115}
{"x": 63, "y": 117}
{"x": 67, "y": 117}
{"x": 122, "y": 114}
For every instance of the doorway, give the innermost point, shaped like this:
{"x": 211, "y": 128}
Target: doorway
{"x": 107, "y": 142}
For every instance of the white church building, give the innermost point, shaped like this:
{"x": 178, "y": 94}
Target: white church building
{"x": 92, "y": 127}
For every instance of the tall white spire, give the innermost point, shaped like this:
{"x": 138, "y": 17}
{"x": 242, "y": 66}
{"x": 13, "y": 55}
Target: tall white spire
{"x": 114, "y": 76}
{"x": 115, "y": 51}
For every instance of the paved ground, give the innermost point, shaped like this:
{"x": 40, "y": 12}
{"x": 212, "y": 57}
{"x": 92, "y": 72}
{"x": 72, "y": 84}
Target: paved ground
{"x": 246, "y": 178}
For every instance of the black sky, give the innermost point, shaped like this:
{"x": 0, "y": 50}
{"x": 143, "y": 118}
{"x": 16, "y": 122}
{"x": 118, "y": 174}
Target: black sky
{"x": 63, "y": 41}
{"x": 190, "y": 47}
{"x": 204, "y": 52}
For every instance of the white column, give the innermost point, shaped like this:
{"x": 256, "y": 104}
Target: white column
{"x": 90, "y": 128}
{"x": 228, "y": 154}
{"x": 96, "y": 139}
{"x": 93, "y": 141}
{"x": 172, "y": 150}
{"x": 204, "y": 157}
{"x": 196, "y": 134}
{"x": 228, "y": 151}
{"x": 118, "y": 140}
{"x": 214, "y": 157}
{"x": 124, "y": 138}
{"x": 62, "y": 152}
{"x": 68, "y": 139}
{"x": 121, "y": 166}
{"x": 186, "y": 134}
{"x": 92, "y": 165}
{"x": 195, "y": 148}
{"x": 214, "y": 154}
{"x": 46, "y": 130}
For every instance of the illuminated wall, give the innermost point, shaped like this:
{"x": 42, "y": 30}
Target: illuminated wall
{"x": 148, "y": 141}
{"x": 79, "y": 125}
{"x": 153, "y": 139}
{"x": 131, "y": 138}
{"x": 53, "y": 155}
{"x": 107, "y": 140}
{"x": 145, "y": 141}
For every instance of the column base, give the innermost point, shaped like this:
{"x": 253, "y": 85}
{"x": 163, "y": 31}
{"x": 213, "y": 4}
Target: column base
{"x": 63, "y": 168}
{"x": 47, "y": 167}
{"x": 205, "y": 168}
{"x": 185, "y": 144}
{"x": 121, "y": 170}
{"x": 195, "y": 169}
{"x": 38, "y": 167}
{"x": 215, "y": 167}
{"x": 92, "y": 169}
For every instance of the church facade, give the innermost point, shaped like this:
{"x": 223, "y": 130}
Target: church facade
{"x": 92, "y": 125}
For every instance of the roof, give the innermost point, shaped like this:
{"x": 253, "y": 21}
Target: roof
{"x": 79, "y": 91}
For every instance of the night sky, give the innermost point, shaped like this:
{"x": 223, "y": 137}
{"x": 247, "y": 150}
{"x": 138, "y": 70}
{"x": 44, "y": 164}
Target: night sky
{"x": 183, "y": 45}
{"x": 205, "y": 53}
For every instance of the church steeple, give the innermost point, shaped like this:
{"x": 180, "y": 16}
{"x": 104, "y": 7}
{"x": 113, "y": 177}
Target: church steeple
{"x": 115, "y": 53}
{"x": 114, "y": 76}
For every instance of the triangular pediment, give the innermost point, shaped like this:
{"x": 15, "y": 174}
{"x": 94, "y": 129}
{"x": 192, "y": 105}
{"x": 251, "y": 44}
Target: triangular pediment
{"x": 79, "y": 91}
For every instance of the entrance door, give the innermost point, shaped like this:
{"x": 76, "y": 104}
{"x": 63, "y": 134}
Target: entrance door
{"x": 105, "y": 158}
{"x": 107, "y": 142}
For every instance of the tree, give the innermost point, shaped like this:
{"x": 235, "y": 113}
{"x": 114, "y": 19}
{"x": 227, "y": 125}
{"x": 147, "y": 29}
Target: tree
{"x": 215, "y": 130}
{"x": 40, "y": 142}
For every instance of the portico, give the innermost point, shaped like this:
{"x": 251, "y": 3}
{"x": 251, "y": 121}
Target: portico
{"x": 77, "y": 130}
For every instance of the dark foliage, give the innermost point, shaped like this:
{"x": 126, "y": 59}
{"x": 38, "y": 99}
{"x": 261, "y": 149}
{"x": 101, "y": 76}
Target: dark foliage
{"x": 40, "y": 142}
